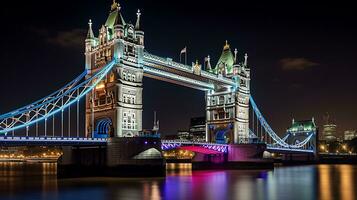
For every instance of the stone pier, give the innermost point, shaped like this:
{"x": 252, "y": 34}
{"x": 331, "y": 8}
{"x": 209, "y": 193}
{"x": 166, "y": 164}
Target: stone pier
{"x": 137, "y": 156}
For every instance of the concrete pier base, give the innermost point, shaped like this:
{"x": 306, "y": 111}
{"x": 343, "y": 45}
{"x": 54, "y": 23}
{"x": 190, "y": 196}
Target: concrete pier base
{"x": 124, "y": 157}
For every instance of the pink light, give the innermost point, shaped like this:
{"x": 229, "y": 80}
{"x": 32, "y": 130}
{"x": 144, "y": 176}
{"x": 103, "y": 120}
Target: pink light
{"x": 198, "y": 149}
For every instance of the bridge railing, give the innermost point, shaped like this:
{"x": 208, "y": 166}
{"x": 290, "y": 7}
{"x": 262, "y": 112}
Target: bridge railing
{"x": 191, "y": 142}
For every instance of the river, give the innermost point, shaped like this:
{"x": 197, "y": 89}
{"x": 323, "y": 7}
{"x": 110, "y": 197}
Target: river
{"x": 20, "y": 181}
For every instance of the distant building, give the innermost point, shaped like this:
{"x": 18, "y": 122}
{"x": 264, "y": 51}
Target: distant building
{"x": 198, "y": 129}
{"x": 170, "y": 137}
{"x": 329, "y": 132}
{"x": 184, "y": 135}
{"x": 349, "y": 134}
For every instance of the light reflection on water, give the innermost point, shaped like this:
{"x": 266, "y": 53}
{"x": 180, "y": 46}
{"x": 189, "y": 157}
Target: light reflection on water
{"x": 38, "y": 181}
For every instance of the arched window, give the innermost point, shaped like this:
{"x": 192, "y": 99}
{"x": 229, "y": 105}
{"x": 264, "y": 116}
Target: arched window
{"x": 133, "y": 78}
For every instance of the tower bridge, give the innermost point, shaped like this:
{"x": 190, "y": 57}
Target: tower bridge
{"x": 111, "y": 86}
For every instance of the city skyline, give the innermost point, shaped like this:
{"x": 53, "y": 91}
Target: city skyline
{"x": 276, "y": 71}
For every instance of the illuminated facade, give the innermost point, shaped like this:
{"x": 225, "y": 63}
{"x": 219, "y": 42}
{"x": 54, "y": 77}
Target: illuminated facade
{"x": 114, "y": 108}
{"x": 329, "y": 132}
{"x": 228, "y": 108}
{"x": 349, "y": 135}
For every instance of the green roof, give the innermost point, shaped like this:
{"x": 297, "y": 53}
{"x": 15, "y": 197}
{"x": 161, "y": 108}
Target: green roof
{"x": 306, "y": 125}
{"x": 226, "y": 61}
{"x": 112, "y": 19}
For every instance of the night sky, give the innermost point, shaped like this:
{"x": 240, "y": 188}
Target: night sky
{"x": 302, "y": 54}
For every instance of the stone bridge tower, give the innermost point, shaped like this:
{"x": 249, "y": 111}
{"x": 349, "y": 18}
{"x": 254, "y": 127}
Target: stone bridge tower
{"x": 114, "y": 108}
{"x": 227, "y": 109}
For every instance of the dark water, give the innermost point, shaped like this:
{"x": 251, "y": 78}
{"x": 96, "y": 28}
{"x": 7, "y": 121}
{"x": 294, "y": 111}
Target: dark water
{"x": 38, "y": 181}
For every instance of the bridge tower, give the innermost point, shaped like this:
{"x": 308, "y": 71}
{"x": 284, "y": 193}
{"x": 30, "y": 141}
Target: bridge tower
{"x": 228, "y": 108}
{"x": 114, "y": 107}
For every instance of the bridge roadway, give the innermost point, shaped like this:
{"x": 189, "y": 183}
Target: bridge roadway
{"x": 166, "y": 144}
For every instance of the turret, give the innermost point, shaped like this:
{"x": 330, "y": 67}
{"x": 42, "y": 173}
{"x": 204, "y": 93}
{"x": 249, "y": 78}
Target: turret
{"x": 89, "y": 44}
{"x": 90, "y": 40}
{"x": 197, "y": 68}
{"x": 208, "y": 66}
{"x": 118, "y": 23}
{"x": 225, "y": 62}
{"x": 139, "y": 33}
{"x": 137, "y": 24}
{"x": 235, "y": 55}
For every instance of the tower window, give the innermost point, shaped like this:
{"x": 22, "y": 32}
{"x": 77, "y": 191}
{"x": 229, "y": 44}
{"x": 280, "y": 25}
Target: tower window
{"x": 213, "y": 101}
{"x": 129, "y": 121}
{"x": 111, "y": 77}
{"x": 221, "y": 100}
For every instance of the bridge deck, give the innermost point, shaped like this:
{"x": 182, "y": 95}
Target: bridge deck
{"x": 51, "y": 141}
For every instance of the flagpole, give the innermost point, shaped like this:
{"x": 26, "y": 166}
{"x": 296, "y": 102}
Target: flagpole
{"x": 204, "y": 63}
{"x": 186, "y": 56}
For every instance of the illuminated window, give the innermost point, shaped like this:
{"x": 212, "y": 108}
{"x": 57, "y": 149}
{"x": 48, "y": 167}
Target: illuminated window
{"x": 129, "y": 121}
{"x": 127, "y": 98}
{"x": 100, "y": 86}
{"x": 111, "y": 77}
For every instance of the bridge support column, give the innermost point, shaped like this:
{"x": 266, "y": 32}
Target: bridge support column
{"x": 227, "y": 114}
{"x": 135, "y": 156}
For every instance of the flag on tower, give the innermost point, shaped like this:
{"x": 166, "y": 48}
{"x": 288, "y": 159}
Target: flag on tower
{"x": 184, "y": 51}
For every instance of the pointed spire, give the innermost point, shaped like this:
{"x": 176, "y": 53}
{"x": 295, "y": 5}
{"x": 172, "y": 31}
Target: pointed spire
{"x": 226, "y": 46}
{"x": 137, "y": 25}
{"x": 246, "y": 60}
{"x": 119, "y": 19}
{"x": 235, "y": 55}
{"x": 115, "y": 5}
{"x": 90, "y": 34}
{"x": 209, "y": 67}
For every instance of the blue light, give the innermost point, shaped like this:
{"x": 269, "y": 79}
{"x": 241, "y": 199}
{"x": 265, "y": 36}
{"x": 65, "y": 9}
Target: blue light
{"x": 100, "y": 75}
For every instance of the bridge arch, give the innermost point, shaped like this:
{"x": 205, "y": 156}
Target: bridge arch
{"x": 223, "y": 135}
{"x": 104, "y": 128}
